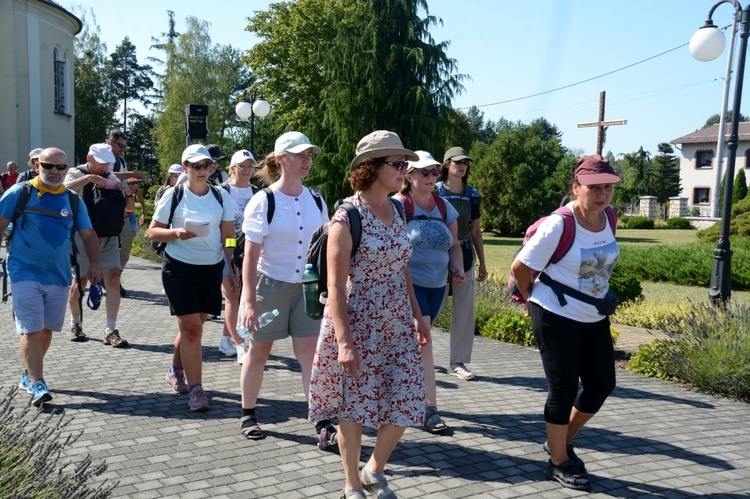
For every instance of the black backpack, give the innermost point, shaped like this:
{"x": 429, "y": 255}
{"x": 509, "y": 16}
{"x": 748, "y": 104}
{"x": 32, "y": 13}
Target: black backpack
{"x": 317, "y": 254}
{"x": 179, "y": 191}
{"x": 106, "y": 208}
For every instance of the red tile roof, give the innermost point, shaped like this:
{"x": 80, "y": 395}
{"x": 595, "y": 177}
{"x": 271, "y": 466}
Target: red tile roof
{"x": 710, "y": 135}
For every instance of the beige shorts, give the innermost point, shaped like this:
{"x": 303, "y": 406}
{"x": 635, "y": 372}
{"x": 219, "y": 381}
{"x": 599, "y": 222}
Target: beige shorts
{"x": 109, "y": 254}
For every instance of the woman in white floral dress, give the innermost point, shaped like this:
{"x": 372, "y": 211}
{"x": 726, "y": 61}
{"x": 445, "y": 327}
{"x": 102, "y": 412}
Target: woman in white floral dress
{"x": 367, "y": 369}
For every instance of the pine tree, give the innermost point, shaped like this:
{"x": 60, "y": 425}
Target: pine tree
{"x": 740, "y": 186}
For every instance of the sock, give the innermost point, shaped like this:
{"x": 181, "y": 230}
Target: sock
{"x": 190, "y": 388}
{"x": 174, "y": 369}
{"x": 248, "y": 412}
{"x": 111, "y": 325}
{"x": 75, "y": 319}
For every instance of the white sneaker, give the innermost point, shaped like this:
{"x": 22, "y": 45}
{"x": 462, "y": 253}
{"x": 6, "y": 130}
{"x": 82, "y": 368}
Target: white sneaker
{"x": 460, "y": 371}
{"x": 241, "y": 353}
{"x": 226, "y": 347}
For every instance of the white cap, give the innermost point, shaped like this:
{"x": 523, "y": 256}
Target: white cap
{"x": 425, "y": 160}
{"x": 102, "y": 153}
{"x": 175, "y": 168}
{"x": 195, "y": 153}
{"x": 294, "y": 142}
{"x": 241, "y": 156}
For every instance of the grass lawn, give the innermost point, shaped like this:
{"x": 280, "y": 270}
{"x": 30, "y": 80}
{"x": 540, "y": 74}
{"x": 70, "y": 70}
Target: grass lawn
{"x": 499, "y": 255}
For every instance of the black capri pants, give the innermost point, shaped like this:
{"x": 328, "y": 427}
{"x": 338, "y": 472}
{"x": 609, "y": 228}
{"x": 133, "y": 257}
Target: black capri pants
{"x": 192, "y": 289}
{"x": 571, "y": 350}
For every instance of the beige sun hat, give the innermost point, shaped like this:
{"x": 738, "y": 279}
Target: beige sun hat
{"x": 379, "y": 144}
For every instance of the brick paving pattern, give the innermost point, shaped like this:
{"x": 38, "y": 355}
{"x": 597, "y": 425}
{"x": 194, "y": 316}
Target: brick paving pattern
{"x": 652, "y": 438}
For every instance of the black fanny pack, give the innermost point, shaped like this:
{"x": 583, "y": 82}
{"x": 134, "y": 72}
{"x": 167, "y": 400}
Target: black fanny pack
{"x": 605, "y": 306}
{"x": 467, "y": 249}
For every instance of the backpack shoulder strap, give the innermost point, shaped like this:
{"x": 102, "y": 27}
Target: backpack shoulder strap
{"x": 271, "y": 203}
{"x": 74, "y": 201}
{"x": 317, "y": 197}
{"x": 176, "y": 198}
{"x": 225, "y": 186}
{"x": 612, "y": 217}
{"x": 23, "y": 198}
{"x": 355, "y": 225}
{"x": 399, "y": 209}
{"x": 568, "y": 235}
{"x": 408, "y": 205}
{"x": 217, "y": 194}
{"x": 440, "y": 202}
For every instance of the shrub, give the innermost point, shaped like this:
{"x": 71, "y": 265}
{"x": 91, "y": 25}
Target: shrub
{"x": 639, "y": 223}
{"x": 626, "y": 286}
{"x": 649, "y": 359}
{"x": 739, "y": 225}
{"x": 30, "y": 457}
{"x": 679, "y": 223}
{"x": 491, "y": 297}
{"x": 695, "y": 211}
{"x": 649, "y": 314}
{"x": 711, "y": 348}
{"x": 510, "y": 326}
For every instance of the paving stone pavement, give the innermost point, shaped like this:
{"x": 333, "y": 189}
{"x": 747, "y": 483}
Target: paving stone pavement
{"x": 651, "y": 439}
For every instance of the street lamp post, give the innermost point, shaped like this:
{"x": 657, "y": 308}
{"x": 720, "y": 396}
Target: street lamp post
{"x": 706, "y": 45}
{"x": 250, "y": 107}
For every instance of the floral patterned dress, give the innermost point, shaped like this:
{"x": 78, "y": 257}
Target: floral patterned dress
{"x": 390, "y": 386}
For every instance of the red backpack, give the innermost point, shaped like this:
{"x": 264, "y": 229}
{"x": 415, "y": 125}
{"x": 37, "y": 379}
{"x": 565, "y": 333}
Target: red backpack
{"x": 566, "y": 242}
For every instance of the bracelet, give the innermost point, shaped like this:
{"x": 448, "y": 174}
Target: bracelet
{"x": 230, "y": 242}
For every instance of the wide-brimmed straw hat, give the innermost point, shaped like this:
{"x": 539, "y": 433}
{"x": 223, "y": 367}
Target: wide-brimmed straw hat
{"x": 380, "y": 144}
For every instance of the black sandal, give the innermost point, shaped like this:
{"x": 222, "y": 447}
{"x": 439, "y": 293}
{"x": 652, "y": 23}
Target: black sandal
{"x": 568, "y": 476}
{"x": 580, "y": 465}
{"x": 250, "y": 429}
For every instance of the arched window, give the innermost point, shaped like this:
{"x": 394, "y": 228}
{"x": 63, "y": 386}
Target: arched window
{"x": 59, "y": 68}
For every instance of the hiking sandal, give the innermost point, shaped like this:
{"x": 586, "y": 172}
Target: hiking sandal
{"x": 568, "y": 476}
{"x": 327, "y": 436}
{"x": 250, "y": 429}
{"x": 433, "y": 422}
{"x": 580, "y": 465}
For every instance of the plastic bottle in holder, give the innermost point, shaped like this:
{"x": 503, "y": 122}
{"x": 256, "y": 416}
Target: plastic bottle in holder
{"x": 263, "y": 320}
{"x": 310, "y": 285}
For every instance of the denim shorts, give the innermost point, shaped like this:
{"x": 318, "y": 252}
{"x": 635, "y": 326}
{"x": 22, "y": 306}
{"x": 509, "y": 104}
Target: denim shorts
{"x": 430, "y": 301}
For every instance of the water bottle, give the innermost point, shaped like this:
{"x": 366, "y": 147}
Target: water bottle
{"x": 263, "y": 320}
{"x": 310, "y": 286}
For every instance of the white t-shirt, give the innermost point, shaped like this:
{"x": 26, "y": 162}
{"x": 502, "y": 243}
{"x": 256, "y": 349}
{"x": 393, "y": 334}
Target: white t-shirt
{"x": 587, "y": 267}
{"x": 286, "y": 239}
{"x": 240, "y": 198}
{"x": 207, "y": 250}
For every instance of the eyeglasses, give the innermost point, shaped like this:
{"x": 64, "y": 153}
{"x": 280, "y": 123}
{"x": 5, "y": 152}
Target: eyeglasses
{"x": 200, "y": 166}
{"x": 426, "y": 173}
{"x": 398, "y": 165}
{"x": 49, "y": 166}
{"x": 121, "y": 145}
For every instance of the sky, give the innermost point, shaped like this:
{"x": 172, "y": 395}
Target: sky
{"x": 518, "y": 55}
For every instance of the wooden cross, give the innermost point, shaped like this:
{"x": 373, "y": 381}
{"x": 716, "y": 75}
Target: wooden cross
{"x": 601, "y": 124}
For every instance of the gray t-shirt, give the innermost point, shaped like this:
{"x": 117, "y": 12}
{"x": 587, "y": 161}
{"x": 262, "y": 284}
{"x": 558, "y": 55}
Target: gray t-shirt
{"x": 430, "y": 239}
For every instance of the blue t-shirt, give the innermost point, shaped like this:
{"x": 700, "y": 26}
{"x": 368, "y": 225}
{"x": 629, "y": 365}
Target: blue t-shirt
{"x": 41, "y": 244}
{"x": 430, "y": 239}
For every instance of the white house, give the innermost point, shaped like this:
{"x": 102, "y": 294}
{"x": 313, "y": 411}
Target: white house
{"x": 36, "y": 101}
{"x": 698, "y": 163}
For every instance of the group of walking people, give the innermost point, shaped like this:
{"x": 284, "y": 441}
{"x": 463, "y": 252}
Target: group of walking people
{"x": 369, "y": 360}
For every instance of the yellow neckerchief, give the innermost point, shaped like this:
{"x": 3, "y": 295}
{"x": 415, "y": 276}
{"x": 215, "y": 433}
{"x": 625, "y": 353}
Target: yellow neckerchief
{"x": 36, "y": 182}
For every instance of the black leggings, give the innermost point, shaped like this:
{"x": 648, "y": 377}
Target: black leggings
{"x": 569, "y": 350}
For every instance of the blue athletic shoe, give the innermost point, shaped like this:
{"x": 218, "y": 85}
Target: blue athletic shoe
{"x": 95, "y": 297}
{"x": 25, "y": 382}
{"x": 39, "y": 393}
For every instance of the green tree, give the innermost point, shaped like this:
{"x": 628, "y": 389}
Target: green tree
{"x": 636, "y": 177}
{"x": 714, "y": 119}
{"x": 95, "y": 102}
{"x": 345, "y": 69}
{"x": 665, "y": 174}
{"x": 141, "y": 147}
{"x": 740, "y": 187}
{"x": 521, "y": 176}
{"x": 132, "y": 81}
{"x": 197, "y": 72}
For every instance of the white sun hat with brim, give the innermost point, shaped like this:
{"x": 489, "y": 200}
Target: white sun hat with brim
{"x": 102, "y": 153}
{"x": 425, "y": 160}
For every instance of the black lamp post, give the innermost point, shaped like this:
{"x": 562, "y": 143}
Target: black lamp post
{"x": 250, "y": 107}
{"x": 705, "y": 45}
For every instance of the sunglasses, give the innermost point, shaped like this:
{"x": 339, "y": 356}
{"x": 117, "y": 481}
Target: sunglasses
{"x": 49, "y": 166}
{"x": 398, "y": 165}
{"x": 121, "y": 145}
{"x": 200, "y": 166}
{"x": 426, "y": 173}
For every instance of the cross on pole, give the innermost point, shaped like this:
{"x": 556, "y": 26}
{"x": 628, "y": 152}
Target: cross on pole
{"x": 601, "y": 124}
